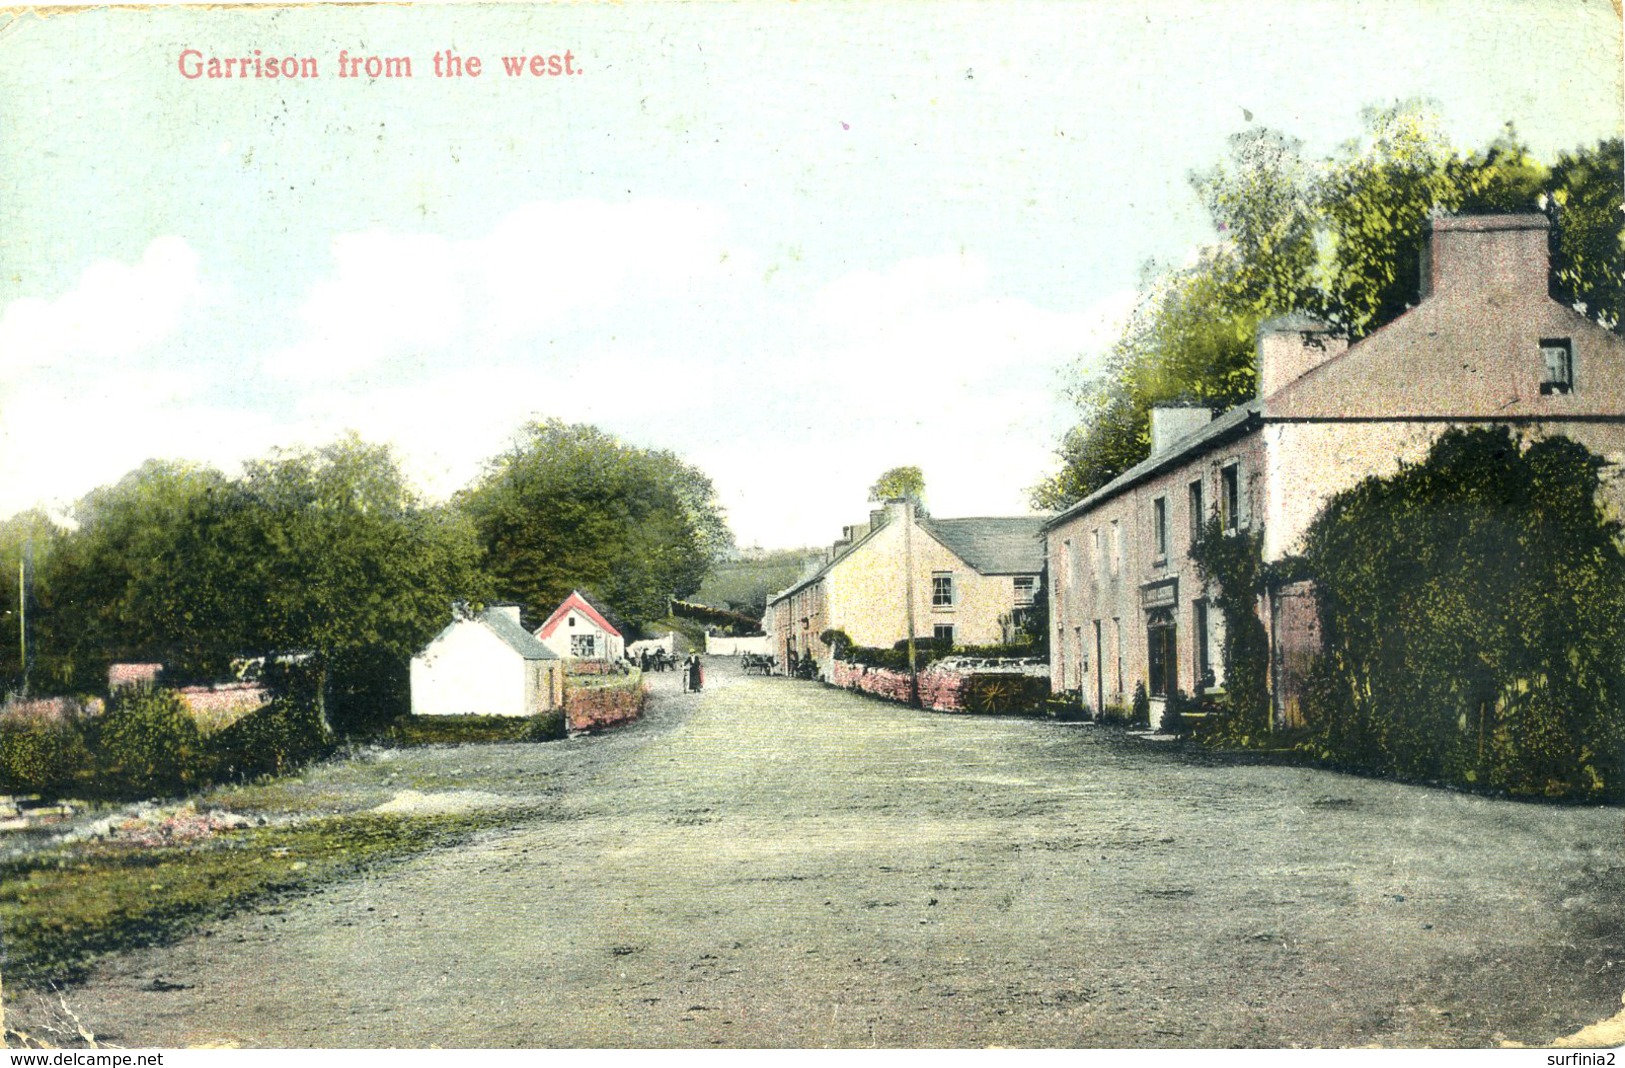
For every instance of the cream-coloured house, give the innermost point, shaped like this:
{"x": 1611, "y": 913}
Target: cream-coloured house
{"x": 582, "y": 629}
{"x": 486, "y": 665}
{"x": 966, "y": 581}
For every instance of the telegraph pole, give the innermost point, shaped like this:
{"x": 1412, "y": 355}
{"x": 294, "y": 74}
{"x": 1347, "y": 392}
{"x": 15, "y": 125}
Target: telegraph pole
{"x": 908, "y": 586}
{"x": 22, "y": 611}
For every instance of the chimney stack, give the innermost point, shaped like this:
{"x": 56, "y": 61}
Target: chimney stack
{"x": 1475, "y": 254}
{"x": 509, "y": 610}
{"x": 1290, "y": 347}
{"x": 1168, "y": 425}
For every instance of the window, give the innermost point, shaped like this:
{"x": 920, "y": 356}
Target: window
{"x": 1162, "y": 659}
{"x": 1026, "y": 590}
{"x": 1197, "y": 517}
{"x": 942, "y": 591}
{"x": 1096, "y": 554}
{"x": 583, "y": 644}
{"x": 1066, "y": 562}
{"x": 1117, "y": 546}
{"x": 1558, "y": 355}
{"x": 1159, "y": 527}
{"x": 571, "y": 621}
{"x": 1230, "y": 498}
{"x": 943, "y": 634}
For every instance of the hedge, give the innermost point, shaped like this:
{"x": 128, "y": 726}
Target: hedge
{"x": 1473, "y": 617}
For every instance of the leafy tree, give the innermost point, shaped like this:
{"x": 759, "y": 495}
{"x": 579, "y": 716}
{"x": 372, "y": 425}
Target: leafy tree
{"x": 29, "y": 542}
{"x": 152, "y": 572}
{"x": 1342, "y": 240}
{"x": 905, "y": 483}
{"x": 1378, "y": 196}
{"x": 570, "y": 506}
{"x": 352, "y": 569}
{"x": 1588, "y": 246}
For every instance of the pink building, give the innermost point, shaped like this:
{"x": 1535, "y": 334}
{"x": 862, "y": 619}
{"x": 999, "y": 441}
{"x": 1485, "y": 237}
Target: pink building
{"x": 1485, "y": 345}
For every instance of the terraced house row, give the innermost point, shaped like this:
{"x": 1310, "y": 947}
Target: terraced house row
{"x": 1484, "y": 345}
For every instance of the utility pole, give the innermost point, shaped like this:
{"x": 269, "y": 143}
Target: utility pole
{"x": 22, "y": 612}
{"x": 908, "y": 586}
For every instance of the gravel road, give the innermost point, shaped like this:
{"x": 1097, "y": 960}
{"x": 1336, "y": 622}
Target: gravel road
{"x": 772, "y": 863}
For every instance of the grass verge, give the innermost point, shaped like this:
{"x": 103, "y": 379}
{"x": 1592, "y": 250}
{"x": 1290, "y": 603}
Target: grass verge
{"x": 63, "y": 908}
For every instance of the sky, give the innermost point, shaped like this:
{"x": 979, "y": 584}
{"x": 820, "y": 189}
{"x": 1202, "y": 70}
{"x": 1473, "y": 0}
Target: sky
{"x": 796, "y": 244}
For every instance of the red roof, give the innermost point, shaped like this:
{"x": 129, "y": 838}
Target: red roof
{"x": 579, "y": 602}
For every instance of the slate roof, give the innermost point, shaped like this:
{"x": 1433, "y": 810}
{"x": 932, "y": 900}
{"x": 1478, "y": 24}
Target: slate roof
{"x": 1232, "y": 424}
{"x": 994, "y": 545}
{"x": 517, "y": 637}
{"x": 588, "y": 607}
{"x": 610, "y": 617}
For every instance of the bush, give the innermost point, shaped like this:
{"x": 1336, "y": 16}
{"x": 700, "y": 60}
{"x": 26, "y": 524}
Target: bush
{"x": 41, "y": 754}
{"x": 1173, "y": 714}
{"x": 839, "y": 641}
{"x": 146, "y": 744}
{"x": 271, "y": 740}
{"x": 1472, "y": 608}
{"x": 1232, "y": 565}
{"x": 1140, "y": 711}
{"x": 926, "y": 650}
{"x": 545, "y": 727}
{"x": 1120, "y": 715}
{"x": 1068, "y": 707}
{"x": 1014, "y": 651}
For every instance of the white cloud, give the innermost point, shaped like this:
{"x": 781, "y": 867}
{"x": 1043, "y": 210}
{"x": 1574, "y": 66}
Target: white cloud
{"x": 116, "y": 310}
{"x": 546, "y": 266}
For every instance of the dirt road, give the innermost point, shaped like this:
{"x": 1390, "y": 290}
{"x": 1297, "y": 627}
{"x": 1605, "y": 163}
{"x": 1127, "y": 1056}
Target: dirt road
{"x": 773, "y": 863}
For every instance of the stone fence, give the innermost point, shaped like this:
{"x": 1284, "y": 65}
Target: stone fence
{"x": 945, "y": 685}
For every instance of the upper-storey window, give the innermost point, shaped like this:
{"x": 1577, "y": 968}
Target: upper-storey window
{"x": 1026, "y": 589}
{"x": 1197, "y": 518}
{"x": 1557, "y": 354}
{"x": 1159, "y": 527}
{"x": 942, "y": 590}
{"x": 1230, "y": 497}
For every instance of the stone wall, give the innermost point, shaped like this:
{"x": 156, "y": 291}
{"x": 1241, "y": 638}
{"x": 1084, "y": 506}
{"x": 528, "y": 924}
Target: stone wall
{"x": 591, "y": 708}
{"x": 217, "y": 707}
{"x": 940, "y": 691}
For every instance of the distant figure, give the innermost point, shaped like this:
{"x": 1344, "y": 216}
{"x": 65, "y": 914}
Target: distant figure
{"x": 694, "y": 676}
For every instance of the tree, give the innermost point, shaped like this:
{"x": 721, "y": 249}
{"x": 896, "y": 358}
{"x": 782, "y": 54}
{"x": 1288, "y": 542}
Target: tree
{"x": 1342, "y": 241}
{"x": 1588, "y": 246}
{"x": 1378, "y": 196}
{"x": 350, "y": 568}
{"x": 570, "y": 506}
{"x": 153, "y": 571}
{"x": 28, "y": 548}
{"x": 900, "y": 483}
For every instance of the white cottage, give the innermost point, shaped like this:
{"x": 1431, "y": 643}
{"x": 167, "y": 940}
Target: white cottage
{"x": 582, "y": 629}
{"x": 486, "y": 664}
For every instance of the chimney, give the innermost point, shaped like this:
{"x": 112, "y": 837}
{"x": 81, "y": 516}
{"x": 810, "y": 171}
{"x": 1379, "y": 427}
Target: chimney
{"x": 1168, "y": 425}
{"x": 509, "y": 610}
{"x": 1292, "y": 346}
{"x": 877, "y": 518}
{"x": 1475, "y": 254}
{"x": 896, "y": 508}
